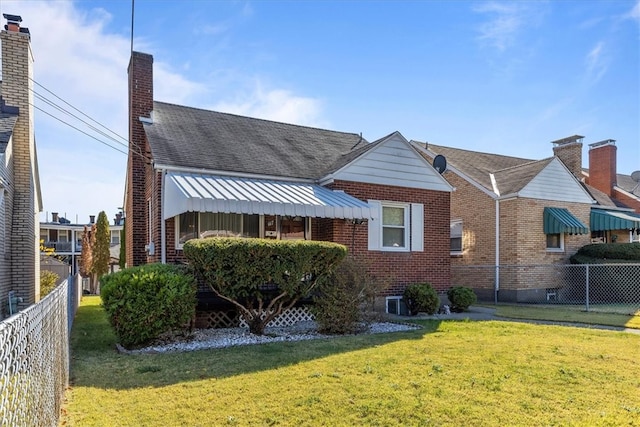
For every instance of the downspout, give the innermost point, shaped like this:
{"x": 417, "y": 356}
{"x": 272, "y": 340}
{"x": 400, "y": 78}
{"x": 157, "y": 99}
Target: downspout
{"x": 163, "y": 227}
{"x": 496, "y": 287}
{"x": 497, "y": 266}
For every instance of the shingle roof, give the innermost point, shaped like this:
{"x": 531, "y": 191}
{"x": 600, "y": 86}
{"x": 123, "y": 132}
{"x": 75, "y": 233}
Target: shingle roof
{"x": 478, "y": 166}
{"x": 515, "y": 178}
{"x": 7, "y": 122}
{"x": 627, "y": 184}
{"x": 193, "y": 138}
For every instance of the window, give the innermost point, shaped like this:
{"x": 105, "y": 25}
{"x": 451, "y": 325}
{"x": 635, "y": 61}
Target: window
{"x": 555, "y": 242}
{"x": 293, "y": 228}
{"x": 456, "y": 237}
{"x": 192, "y": 225}
{"x": 396, "y": 305}
{"x": 115, "y": 237}
{"x": 399, "y": 227}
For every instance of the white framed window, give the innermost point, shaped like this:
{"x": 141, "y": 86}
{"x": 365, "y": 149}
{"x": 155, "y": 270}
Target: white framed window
{"x": 115, "y": 237}
{"x": 456, "y": 237}
{"x": 398, "y": 228}
{"x": 555, "y": 242}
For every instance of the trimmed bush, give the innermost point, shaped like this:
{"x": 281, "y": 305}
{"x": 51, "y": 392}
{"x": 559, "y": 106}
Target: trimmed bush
{"x": 344, "y": 303}
{"x": 607, "y": 252}
{"x": 143, "y": 303}
{"x": 262, "y": 277}
{"x": 461, "y": 298}
{"x": 421, "y": 297}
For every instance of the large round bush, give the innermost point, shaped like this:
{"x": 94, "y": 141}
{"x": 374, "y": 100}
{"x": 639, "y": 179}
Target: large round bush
{"x": 461, "y": 298}
{"x": 421, "y": 297}
{"x": 144, "y": 302}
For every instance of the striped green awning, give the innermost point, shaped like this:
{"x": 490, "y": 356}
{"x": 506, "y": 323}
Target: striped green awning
{"x": 603, "y": 220}
{"x": 560, "y": 220}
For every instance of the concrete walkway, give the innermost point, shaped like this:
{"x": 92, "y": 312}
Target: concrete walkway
{"x": 487, "y": 313}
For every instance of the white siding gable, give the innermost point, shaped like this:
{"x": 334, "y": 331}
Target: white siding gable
{"x": 555, "y": 182}
{"x": 393, "y": 162}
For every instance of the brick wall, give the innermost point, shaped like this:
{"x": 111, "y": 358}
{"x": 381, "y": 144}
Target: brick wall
{"x": 401, "y": 268}
{"x": 17, "y": 87}
{"x": 571, "y": 156}
{"x": 140, "y": 105}
{"x": 602, "y": 168}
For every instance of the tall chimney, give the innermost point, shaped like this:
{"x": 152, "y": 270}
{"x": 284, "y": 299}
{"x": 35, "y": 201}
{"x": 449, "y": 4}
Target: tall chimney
{"x": 92, "y": 219}
{"x": 54, "y": 217}
{"x": 569, "y": 151}
{"x": 17, "y": 90}
{"x": 140, "y": 106}
{"x": 602, "y": 165}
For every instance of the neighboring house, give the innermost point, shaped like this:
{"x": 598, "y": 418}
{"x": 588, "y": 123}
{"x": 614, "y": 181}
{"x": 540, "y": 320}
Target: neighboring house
{"x": 66, "y": 239}
{"x": 509, "y": 211}
{"x": 616, "y": 218}
{"x": 20, "y": 198}
{"x": 195, "y": 173}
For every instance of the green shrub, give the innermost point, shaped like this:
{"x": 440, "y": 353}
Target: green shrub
{"x": 461, "y": 298}
{"x": 344, "y": 303}
{"x": 607, "y": 252}
{"x": 421, "y": 297}
{"x": 48, "y": 280}
{"x": 262, "y": 277}
{"x": 146, "y": 302}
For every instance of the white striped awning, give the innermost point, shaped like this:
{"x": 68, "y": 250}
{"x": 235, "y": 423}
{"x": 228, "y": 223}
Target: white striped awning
{"x": 188, "y": 192}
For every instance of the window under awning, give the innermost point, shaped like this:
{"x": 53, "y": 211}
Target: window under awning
{"x": 187, "y": 192}
{"x": 560, "y": 220}
{"x": 604, "y": 220}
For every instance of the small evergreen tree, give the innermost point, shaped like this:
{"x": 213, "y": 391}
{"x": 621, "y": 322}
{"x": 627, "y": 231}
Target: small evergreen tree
{"x": 102, "y": 243}
{"x": 86, "y": 256}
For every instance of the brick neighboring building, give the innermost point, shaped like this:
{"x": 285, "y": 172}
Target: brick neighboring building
{"x": 20, "y": 199}
{"x": 194, "y": 173}
{"x": 514, "y": 212}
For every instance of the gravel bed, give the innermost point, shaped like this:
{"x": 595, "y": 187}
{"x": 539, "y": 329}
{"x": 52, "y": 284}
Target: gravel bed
{"x": 202, "y": 339}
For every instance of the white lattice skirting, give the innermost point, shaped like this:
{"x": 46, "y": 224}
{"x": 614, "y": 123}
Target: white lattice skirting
{"x": 287, "y": 318}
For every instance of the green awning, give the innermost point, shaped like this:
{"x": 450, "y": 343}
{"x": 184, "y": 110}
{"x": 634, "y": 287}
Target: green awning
{"x": 603, "y": 220}
{"x": 560, "y": 220}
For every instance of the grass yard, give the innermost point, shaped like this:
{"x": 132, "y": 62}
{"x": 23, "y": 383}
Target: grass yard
{"x": 460, "y": 373}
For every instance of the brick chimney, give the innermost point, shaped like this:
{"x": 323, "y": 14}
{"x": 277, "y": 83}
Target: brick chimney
{"x": 569, "y": 151}
{"x": 54, "y": 217}
{"x": 602, "y": 165}
{"x": 140, "y": 105}
{"x": 92, "y": 219}
{"x": 17, "y": 85}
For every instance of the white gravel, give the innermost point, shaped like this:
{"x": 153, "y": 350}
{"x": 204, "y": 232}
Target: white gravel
{"x": 202, "y": 339}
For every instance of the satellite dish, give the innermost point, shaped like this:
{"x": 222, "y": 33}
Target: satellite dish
{"x": 635, "y": 176}
{"x": 440, "y": 163}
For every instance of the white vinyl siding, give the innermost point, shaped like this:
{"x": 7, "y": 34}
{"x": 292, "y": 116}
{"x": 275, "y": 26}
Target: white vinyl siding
{"x": 555, "y": 182}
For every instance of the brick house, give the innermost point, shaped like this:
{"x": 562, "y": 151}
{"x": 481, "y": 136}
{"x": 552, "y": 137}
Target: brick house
{"x": 508, "y": 211}
{"x": 20, "y": 198}
{"x": 194, "y": 173}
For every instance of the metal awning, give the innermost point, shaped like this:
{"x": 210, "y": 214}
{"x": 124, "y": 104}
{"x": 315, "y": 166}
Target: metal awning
{"x": 603, "y": 220}
{"x": 187, "y": 192}
{"x": 560, "y": 220}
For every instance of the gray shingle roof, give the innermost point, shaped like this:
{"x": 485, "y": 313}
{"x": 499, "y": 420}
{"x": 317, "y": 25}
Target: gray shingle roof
{"x": 188, "y": 137}
{"x": 7, "y": 122}
{"x": 627, "y": 184}
{"x": 478, "y": 166}
{"x": 515, "y": 178}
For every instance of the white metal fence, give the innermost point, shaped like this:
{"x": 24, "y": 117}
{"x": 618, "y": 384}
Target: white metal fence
{"x": 34, "y": 359}
{"x": 611, "y": 288}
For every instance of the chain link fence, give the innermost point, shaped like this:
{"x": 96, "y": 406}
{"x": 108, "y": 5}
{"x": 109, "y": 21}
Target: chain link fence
{"x": 609, "y": 288}
{"x": 34, "y": 359}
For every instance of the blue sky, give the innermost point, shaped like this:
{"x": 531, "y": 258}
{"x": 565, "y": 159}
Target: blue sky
{"x": 491, "y": 76}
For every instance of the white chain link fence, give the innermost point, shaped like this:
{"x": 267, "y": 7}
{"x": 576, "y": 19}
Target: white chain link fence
{"x": 613, "y": 288}
{"x": 34, "y": 359}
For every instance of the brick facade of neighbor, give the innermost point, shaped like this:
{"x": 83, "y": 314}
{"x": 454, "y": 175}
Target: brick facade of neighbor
{"x": 137, "y": 190}
{"x": 23, "y": 207}
{"x": 476, "y": 209}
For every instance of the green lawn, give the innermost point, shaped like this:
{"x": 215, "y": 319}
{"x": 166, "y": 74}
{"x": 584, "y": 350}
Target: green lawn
{"x": 461, "y": 373}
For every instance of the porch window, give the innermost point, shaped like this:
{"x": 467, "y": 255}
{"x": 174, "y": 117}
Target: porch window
{"x": 456, "y": 237}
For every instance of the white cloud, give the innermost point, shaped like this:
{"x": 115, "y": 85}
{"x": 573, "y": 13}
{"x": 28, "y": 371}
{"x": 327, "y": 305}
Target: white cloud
{"x": 596, "y": 63}
{"x": 506, "y": 22}
{"x": 634, "y": 13}
{"x": 276, "y": 104}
